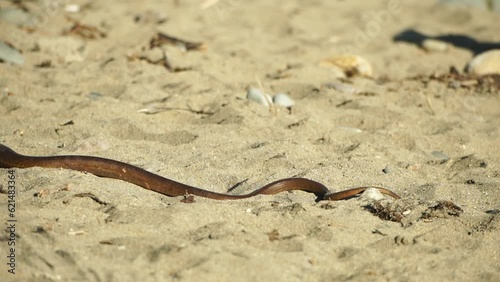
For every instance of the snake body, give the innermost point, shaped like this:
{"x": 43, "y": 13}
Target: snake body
{"x": 119, "y": 170}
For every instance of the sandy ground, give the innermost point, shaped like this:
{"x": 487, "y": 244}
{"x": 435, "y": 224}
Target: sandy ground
{"x": 436, "y": 146}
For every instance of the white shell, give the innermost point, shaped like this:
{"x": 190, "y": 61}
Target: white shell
{"x": 485, "y": 63}
{"x": 256, "y": 95}
{"x": 372, "y": 194}
{"x": 283, "y": 100}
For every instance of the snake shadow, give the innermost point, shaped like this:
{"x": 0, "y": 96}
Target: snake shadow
{"x": 457, "y": 40}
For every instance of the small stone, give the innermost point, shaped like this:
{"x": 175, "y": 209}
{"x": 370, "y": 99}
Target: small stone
{"x": 256, "y": 95}
{"x": 10, "y": 55}
{"x": 350, "y": 64}
{"x": 485, "y": 63}
{"x": 283, "y": 100}
{"x": 433, "y": 45}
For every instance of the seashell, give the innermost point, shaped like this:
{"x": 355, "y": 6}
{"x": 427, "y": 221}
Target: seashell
{"x": 485, "y": 63}
{"x": 372, "y": 194}
{"x": 433, "y": 45}
{"x": 350, "y": 64}
{"x": 256, "y": 95}
{"x": 283, "y": 100}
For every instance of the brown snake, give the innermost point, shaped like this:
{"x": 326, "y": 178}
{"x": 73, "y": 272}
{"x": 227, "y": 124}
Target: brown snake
{"x": 114, "y": 169}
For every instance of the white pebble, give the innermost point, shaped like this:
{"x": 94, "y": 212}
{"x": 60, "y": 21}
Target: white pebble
{"x": 256, "y": 95}
{"x": 283, "y": 100}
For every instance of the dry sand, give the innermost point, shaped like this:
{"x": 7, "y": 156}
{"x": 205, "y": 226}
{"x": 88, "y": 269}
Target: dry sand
{"x": 434, "y": 145}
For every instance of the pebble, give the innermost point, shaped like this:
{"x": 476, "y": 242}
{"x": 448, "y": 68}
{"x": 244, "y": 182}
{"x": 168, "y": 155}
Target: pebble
{"x": 433, "y": 45}
{"x": 283, "y": 100}
{"x": 485, "y": 63}
{"x": 10, "y": 55}
{"x": 350, "y": 64}
{"x": 256, "y": 95}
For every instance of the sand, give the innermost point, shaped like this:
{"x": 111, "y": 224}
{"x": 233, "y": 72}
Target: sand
{"x": 435, "y": 145}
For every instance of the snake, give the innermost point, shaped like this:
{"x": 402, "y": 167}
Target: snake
{"x": 110, "y": 168}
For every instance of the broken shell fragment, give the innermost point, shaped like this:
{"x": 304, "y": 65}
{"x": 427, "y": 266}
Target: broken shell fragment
{"x": 350, "y": 64}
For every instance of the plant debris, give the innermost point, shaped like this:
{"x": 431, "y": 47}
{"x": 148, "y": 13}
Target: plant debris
{"x": 161, "y": 38}
{"x": 188, "y": 199}
{"x": 86, "y": 31}
{"x": 274, "y": 235}
{"x": 443, "y": 209}
{"x": 454, "y": 79}
{"x": 407, "y": 213}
